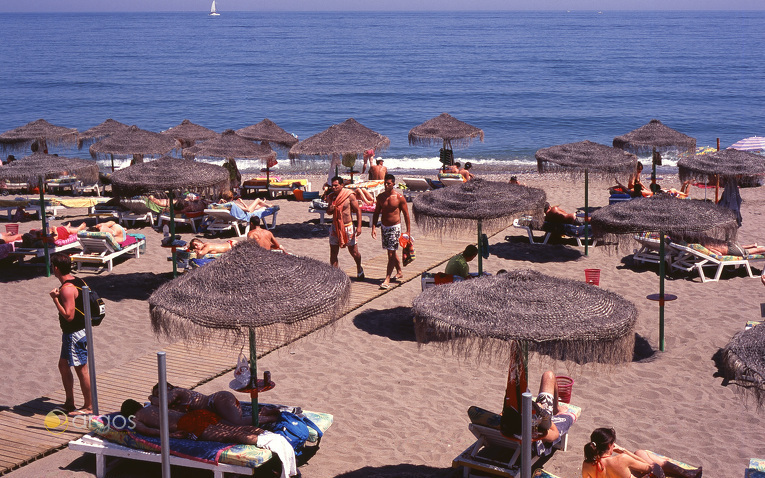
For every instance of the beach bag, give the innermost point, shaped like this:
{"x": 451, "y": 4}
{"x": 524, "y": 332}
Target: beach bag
{"x": 97, "y": 307}
{"x": 446, "y": 157}
{"x": 295, "y": 429}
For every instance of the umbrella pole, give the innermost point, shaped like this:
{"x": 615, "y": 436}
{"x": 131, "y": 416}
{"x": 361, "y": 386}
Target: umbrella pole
{"x": 480, "y": 247}
{"x": 164, "y": 421}
{"x": 661, "y": 292}
{"x": 586, "y": 210}
{"x": 254, "y": 379}
{"x": 112, "y": 156}
{"x": 44, "y": 219}
{"x": 268, "y": 182}
{"x": 91, "y": 349}
{"x": 172, "y": 233}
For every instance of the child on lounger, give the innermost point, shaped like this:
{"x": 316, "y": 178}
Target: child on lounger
{"x": 603, "y": 457}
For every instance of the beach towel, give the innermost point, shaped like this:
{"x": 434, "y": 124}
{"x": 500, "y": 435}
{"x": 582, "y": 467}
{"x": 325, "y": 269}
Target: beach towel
{"x": 337, "y": 218}
{"x": 731, "y": 198}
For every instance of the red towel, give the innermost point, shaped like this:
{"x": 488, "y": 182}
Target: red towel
{"x": 337, "y": 217}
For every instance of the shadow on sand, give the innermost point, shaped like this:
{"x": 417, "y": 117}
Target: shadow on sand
{"x": 402, "y": 471}
{"x": 395, "y": 324}
{"x": 519, "y": 249}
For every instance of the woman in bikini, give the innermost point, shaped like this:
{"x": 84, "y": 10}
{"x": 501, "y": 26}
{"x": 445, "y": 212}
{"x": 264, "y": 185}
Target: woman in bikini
{"x": 603, "y": 458}
{"x": 228, "y": 198}
{"x": 202, "y": 248}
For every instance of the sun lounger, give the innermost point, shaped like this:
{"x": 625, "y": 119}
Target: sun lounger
{"x": 81, "y": 188}
{"x": 59, "y": 184}
{"x": 756, "y": 468}
{"x": 451, "y": 179}
{"x": 106, "y": 441}
{"x": 188, "y": 260}
{"x": 23, "y": 253}
{"x": 649, "y": 249}
{"x": 415, "y": 186}
{"x": 496, "y": 454}
{"x": 696, "y": 256}
{"x": 9, "y": 206}
{"x": 374, "y": 187}
{"x": 99, "y": 250}
{"x": 276, "y": 185}
{"x": 6, "y": 187}
{"x": 575, "y": 231}
{"x": 223, "y": 219}
{"x": 193, "y": 219}
{"x": 137, "y": 210}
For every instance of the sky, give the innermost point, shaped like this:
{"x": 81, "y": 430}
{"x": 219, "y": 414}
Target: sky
{"x": 370, "y": 5}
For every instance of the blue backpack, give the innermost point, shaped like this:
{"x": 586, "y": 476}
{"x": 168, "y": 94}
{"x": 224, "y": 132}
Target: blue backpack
{"x": 294, "y": 429}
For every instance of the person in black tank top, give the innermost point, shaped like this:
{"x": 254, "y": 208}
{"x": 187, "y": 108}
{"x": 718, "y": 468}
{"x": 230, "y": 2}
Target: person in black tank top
{"x": 74, "y": 346}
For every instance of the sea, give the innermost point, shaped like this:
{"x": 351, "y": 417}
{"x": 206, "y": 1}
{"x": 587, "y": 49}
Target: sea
{"x": 529, "y": 80}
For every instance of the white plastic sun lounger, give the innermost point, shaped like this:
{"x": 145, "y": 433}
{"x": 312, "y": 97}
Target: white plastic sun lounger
{"x": 99, "y": 250}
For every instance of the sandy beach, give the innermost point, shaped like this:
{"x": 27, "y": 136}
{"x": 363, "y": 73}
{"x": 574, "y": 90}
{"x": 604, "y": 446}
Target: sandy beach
{"x": 399, "y": 408}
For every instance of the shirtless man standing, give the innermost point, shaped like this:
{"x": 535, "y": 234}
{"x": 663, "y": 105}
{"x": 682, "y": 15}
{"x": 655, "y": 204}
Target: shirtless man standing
{"x": 263, "y": 237}
{"x": 342, "y": 204}
{"x": 377, "y": 171}
{"x": 390, "y": 206}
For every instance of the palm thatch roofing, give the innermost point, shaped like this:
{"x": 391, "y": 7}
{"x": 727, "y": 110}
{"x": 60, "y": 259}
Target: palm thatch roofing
{"x": 98, "y": 132}
{"x": 444, "y": 129}
{"x": 563, "y": 318}
{"x": 134, "y": 140}
{"x": 575, "y": 158}
{"x": 188, "y": 133}
{"x": 269, "y": 132}
{"x": 349, "y": 137}
{"x": 457, "y": 208}
{"x": 231, "y": 145}
{"x": 170, "y": 174}
{"x": 40, "y": 130}
{"x": 681, "y": 219}
{"x": 30, "y": 168}
{"x": 743, "y": 362}
{"x": 655, "y": 135}
{"x": 297, "y": 296}
{"x": 725, "y": 163}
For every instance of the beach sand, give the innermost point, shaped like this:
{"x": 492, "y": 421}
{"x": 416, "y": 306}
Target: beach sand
{"x": 399, "y": 408}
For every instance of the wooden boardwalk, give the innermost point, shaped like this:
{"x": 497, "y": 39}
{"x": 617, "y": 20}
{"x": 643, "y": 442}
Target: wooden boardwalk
{"x": 33, "y": 429}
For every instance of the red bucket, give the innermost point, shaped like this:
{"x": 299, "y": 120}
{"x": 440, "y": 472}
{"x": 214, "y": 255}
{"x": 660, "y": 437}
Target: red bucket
{"x": 565, "y": 384}
{"x": 592, "y": 276}
{"x": 12, "y": 228}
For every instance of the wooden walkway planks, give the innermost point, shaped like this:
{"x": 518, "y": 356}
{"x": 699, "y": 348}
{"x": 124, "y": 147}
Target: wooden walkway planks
{"x": 23, "y": 433}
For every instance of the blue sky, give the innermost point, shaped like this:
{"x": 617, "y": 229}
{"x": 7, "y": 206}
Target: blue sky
{"x": 370, "y": 5}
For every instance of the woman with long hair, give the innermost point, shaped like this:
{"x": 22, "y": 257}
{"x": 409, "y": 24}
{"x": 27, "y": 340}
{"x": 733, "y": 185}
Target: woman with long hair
{"x": 603, "y": 458}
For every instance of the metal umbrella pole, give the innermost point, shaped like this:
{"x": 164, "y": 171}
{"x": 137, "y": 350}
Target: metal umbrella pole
{"x": 164, "y": 420}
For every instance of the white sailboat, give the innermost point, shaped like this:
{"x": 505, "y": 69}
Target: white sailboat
{"x": 213, "y": 11}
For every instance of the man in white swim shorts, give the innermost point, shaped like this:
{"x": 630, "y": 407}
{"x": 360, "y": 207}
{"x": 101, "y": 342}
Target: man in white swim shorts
{"x": 390, "y": 205}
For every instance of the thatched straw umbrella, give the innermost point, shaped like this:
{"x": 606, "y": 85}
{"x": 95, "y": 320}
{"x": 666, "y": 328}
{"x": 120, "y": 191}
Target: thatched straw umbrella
{"x": 347, "y": 138}
{"x": 35, "y": 169}
{"x": 458, "y": 208}
{"x": 187, "y": 133}
{"x": 39, "y": 131}
{"x": 682, "y": 219}
{"x": 229, "y": 146}
{"x": 134, "y": 141}
{"x": 523, "y": 311}
{"x": 743, "y": 362}
{"x": 655, "y": 136}
{"x": 99, "y": 132}
{"x": 585, "y": 157}
{"x": 296, "y": 297}
{"x": 268, "y": 132}
{"x": 446, "y": 130}
{"x": 172, "y": 176}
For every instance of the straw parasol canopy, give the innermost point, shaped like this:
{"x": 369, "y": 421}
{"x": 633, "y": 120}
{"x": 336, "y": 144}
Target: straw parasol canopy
{"x": 98, "y": 132}
{"x": 349, "y": 137}
{"x": 563, "y": 318}
{"x": 457, "y": 208}
{"x": 40, "y": 131}
{"x": 30, "y": 168}
{"x": 445, "y": 129}
{"x": 296, "y": 297}
{"x": 687, "y": 219}
{"x": 135, "y": 141}
{"x": 655, "y": 135}
{"x": 268, "y": 132}
{"x": 231, "y": 145}
{"x": 575, "y": 158}
{"x": 743, "y": 362}
{"x": 169, "y": 174}
{"x": 188, "y": 133}
{"x": 724, "y": 163}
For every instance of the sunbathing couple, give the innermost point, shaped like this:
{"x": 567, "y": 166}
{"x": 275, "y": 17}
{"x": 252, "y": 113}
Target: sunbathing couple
{"x": 217, "y": 417}
{"x": 263, "y": 237}
{"x": 457, "y": 168}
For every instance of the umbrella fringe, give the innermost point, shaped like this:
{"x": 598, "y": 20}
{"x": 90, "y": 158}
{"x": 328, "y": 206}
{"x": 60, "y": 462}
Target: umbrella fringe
{"x": 445, "y": 226}
{"x": 749, "y": 382}
{"x": 625, "y": 242}
{"x": 438, "y": 141}
{"x": 577, "y": 173}
{"x": 30, "y": 168}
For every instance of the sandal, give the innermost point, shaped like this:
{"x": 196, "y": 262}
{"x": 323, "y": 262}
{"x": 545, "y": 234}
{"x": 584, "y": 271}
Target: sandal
{"x": 360, "y": 275}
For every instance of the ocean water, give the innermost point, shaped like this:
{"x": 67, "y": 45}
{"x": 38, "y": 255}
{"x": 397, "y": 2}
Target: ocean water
{"x": 528, "y": 79}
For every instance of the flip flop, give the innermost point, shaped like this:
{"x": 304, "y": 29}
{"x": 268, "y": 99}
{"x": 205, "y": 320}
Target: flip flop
{"x": 79, "y": 412}
{"x": 384, "y": 286}
{"x": 360, "y": 275}
{"x": 68, "y": 407}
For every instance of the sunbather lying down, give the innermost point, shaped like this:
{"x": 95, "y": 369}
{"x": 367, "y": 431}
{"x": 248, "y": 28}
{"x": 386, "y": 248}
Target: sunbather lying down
{"x": 604, "y": 458}
{"x": 227, "y": 198}
{"x": 34, "y": 237}
{"x": 201, "y": 248}
{"x": 731, "y": 248}
{"x": 222, "y": 403}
